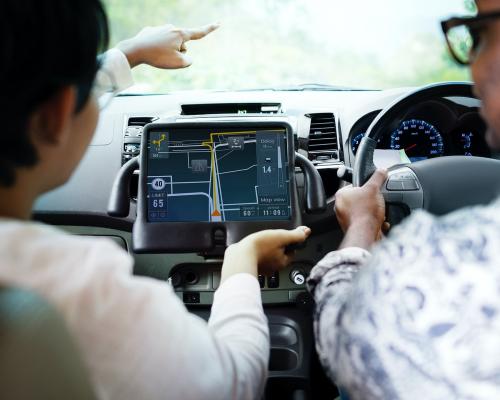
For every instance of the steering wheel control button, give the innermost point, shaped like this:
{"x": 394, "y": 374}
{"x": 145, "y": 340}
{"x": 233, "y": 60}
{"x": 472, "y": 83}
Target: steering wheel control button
{"x": 402, "y": 181}
{"x": 403, "y": 185}
{"x": 394, "y": 185}
{"x": 298, "y": 277}
{"x": 273, "y": 282}
{"x": 410, "y": 184}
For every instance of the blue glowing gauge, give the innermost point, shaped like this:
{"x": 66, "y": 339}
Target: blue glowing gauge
{"x": 419, "y": 139}
{"x": 466, "y": 140}
{"x": 356, "y": 141}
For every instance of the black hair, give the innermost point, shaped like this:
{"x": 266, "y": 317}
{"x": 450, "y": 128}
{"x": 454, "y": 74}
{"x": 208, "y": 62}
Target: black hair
{"x": 45, "y": 45}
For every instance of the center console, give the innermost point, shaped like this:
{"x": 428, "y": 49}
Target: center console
{"x": 206, "y": 185}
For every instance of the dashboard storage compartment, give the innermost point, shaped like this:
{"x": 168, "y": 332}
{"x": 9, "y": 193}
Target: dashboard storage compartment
{"x": 283, "y": 359}
{"x": 283, "y": 335}
{"x": 285, "y": 347}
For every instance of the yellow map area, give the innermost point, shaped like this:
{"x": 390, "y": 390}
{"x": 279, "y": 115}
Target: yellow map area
{"x": 158, "y": 142}
{"x": 210, "y": 145}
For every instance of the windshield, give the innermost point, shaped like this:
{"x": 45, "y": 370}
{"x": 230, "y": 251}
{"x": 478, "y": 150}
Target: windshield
{"x": 282, "y": 43}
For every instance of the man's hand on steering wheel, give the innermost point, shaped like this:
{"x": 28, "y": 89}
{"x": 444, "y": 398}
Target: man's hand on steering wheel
{"x": 361, "y": 212}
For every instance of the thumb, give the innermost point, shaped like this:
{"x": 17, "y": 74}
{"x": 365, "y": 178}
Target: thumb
{"x": 378, "y": 178}
{"x": 184, "y": 60}
{"x": 298, "y": 235}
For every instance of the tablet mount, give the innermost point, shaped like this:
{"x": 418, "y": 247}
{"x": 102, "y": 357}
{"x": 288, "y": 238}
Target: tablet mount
{"x": 205, "y": 236}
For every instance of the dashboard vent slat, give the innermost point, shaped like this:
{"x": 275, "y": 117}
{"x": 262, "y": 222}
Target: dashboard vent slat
{"x": 323, "y": 144}
{"x": 135, "y": 125}
{"x": 231, "y": 108}
{"x": 140, "y": 121}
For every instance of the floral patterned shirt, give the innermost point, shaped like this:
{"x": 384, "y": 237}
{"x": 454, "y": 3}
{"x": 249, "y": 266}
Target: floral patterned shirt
{"x": 420, "y": 317}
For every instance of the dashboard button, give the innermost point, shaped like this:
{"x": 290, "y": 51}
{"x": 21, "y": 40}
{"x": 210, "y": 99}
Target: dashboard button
{"x": 191, "y": 278}
{"x": 176, "y": 279}
{"x": 304, "y": 301}
{"x": 273, "y": 282}
{"x": 216, "y": 280}
{"x": 191, "y": 297}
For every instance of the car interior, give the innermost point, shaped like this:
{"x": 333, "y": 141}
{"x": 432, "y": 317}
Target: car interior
{"x": 174, "y": 178}
{"x": 111, "y": 193}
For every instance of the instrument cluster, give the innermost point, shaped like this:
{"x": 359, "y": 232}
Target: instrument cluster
{"x": 432, "y": 129}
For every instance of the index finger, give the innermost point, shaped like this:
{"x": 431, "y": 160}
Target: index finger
{"x": 199, "y": 33}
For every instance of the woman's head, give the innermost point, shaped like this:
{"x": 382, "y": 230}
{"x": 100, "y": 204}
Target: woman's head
{"x": 49, "y": 52}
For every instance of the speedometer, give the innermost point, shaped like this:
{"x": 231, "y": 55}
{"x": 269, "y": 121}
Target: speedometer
{"x": 356, "y": 141}
{"x": 419, "y": 139}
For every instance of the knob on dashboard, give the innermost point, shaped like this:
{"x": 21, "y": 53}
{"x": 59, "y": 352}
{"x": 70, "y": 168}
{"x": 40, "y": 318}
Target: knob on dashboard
{"x": 345, "y": 173}
{"x": 298, "y": 277}
{"x": 305, "y": 302}
{"x": 176, "y": 279}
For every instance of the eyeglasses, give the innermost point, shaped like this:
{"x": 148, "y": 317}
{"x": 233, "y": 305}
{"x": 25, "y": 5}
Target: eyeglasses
{"x": 103, "y": 88}
{"x": 463, "y": 35}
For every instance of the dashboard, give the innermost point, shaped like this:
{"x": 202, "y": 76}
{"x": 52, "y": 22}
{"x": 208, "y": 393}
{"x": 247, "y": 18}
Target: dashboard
{"x": 213, "y": 160}
{"x": 325, "y": 128}
{"x": 431, "y": 129}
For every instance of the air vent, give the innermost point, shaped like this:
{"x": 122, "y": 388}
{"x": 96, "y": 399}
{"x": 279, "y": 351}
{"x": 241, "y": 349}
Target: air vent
{"x": 231, "y": 108}
{"x": 135, "y": 126}
{"x": 323, "y": 144}
{"x": 132, "y": 136}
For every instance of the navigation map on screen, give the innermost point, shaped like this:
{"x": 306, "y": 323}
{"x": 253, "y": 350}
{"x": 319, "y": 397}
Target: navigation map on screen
{"x": 214, "y": 176}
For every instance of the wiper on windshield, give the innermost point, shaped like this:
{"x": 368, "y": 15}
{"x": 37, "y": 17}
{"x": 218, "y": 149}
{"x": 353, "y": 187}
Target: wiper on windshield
{"x": 305, "y": 87}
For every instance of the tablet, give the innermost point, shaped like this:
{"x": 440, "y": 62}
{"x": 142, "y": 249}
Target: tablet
{"x": 198, "y": 178}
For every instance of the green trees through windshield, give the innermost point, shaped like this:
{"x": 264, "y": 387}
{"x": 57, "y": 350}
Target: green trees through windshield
{"x": 272, "y": 43}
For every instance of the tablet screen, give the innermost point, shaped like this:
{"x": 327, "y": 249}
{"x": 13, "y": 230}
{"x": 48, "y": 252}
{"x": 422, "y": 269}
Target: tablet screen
{"x": 210, "y": 175}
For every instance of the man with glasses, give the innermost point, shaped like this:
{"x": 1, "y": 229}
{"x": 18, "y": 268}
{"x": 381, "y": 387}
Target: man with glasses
{"x": 419, "y": 317}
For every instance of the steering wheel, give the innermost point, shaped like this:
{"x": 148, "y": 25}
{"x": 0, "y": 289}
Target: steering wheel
{"x": 438, "y": 185}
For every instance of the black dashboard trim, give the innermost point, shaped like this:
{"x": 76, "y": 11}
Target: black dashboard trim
{"x": 96, "y": 220}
